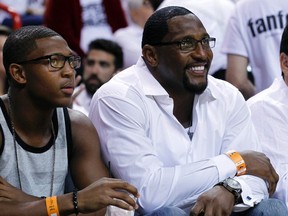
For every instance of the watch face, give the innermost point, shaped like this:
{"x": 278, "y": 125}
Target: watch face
{"x": 233, "y": 183}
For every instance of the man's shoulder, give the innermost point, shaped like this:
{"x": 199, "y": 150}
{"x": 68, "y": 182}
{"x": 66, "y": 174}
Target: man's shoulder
{"x": 223, "y": 91}
{"x": 76, "y": 115}
{"x": 221, "y": 85}
{"x": 120, "y": 83}
{"x": 79, "y": 121}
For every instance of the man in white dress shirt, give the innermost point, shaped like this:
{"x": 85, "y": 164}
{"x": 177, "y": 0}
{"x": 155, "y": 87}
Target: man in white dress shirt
{"x": 269, "y": 111}
{"x": 168, "y": 127}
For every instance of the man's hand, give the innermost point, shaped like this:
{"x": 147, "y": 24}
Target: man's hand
{"x": 217, "y": 201}
{"x": 258, "y": 164}
{"x": 105, "y": 192}
{"x": 11, "y": 193}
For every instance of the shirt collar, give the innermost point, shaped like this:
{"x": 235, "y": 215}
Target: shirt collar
{"x": 149, "y": 84}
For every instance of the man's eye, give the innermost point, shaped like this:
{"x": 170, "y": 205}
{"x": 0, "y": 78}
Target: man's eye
{"x": 54, "y": 61}
{"x": 205, "y": 41}
{"x": 186, "y": 44}
{"x": 104, "y": 64}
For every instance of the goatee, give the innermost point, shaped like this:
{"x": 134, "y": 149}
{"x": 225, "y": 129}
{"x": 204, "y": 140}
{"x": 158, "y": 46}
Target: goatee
{"x": 195, "y": 88}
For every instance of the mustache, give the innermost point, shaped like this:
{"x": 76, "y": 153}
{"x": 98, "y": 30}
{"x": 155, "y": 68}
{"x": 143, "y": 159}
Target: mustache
{"x": 93, "y": 77}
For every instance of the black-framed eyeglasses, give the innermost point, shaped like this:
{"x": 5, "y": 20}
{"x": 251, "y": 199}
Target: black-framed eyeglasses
{"x": 190, "y": 43}
{"x": 57, "y": 61}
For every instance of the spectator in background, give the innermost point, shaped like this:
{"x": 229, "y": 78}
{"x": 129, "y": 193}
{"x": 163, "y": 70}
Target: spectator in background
{"x": 104, "y": 59}
{"x": 30, "y": 11}
{"x": 253, "y": 38}
{"x": 80, "y": 22}
{"x": 129, "y": 38}
{"x": 215, "y": 15}
{"x": 4, "y": 32}
{"x": 269, "y": 110}
{"x": 36, "y": 7}
{"x": 100, "y": 19}
{"x": 155, "y": 4}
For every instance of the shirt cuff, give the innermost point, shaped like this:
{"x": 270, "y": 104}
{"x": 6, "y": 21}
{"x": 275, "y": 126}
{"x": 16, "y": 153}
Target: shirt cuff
{"x": 227, "y": 170}
{"x": 249, "y": 197}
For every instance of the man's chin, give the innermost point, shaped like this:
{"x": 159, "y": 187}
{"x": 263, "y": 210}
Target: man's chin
{"x": 197, "y": 88}
{"x": 91, "y": 90}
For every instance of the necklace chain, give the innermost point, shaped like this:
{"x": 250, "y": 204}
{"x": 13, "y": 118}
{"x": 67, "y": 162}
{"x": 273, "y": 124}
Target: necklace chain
{"x": 16, "y": 154}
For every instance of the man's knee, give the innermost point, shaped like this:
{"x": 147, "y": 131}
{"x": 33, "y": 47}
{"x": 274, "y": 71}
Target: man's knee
{"x": 273, "y": 207}
{"x": 168, "y": 211}
{"x": 269, "y": 207}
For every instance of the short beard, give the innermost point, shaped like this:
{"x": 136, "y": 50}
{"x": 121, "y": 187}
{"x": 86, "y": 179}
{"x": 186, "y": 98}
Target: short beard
{"x": 195, "y": 88}
{"x": 92, "y": 88}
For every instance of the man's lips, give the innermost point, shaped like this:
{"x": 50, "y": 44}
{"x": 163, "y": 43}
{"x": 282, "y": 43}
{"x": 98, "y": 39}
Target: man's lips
{"x": 68, "y": 90}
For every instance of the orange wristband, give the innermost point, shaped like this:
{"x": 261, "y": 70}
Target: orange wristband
{"x": 52, "y": 206}
{"x": 238, "y": 160}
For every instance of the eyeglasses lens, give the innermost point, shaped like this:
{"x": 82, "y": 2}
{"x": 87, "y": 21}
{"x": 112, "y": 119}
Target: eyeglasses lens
{"x": 74, "y": 61}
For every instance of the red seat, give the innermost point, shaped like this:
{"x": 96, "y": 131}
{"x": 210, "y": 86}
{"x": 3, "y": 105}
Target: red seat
{"x": 14, "y": 15}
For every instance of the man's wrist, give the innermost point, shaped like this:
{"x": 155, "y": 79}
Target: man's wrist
{"x": 66, "y": 205}
{"x": 238, "y": 161}
{"x": 52, "y": 206}
{"x": 234, "y": 187}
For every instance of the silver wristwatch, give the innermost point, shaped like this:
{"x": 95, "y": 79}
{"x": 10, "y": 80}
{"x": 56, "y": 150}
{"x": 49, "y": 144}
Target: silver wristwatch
{"x": 232, "y": 186}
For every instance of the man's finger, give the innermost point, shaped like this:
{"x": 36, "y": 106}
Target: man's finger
{"x": 197, "y": 210}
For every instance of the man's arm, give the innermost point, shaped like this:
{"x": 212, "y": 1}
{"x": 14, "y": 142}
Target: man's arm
{"x": 95, "y": 197}
{"x": 86, "y": 164}
{"x": 259, "y": 168}
{"x": 236, "y": 74}
{"x": 88, "y": 171}
{"x": 219, "y": 201}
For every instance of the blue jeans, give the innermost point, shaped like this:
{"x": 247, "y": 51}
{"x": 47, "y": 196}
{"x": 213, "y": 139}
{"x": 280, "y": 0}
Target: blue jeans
{"x": 268, "y": 207}
{"x": 165, "y": 211}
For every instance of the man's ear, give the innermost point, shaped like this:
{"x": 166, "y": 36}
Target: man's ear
{"x": 284, "y": 61}
{"x": 17, "y": 73}
{"x": 150, "y": 55}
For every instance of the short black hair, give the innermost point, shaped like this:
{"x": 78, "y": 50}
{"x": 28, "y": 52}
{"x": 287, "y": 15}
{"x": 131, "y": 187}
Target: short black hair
{"x": 284, "y": 41}
{"x": 156, "y": 26}
{"x": 108, "y": 46}
{"x": 21, "y": 42}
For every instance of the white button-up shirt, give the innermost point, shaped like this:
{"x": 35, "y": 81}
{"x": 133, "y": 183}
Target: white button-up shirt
{"x": 147, "y": 146}
{"x": 269, "y": 111}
